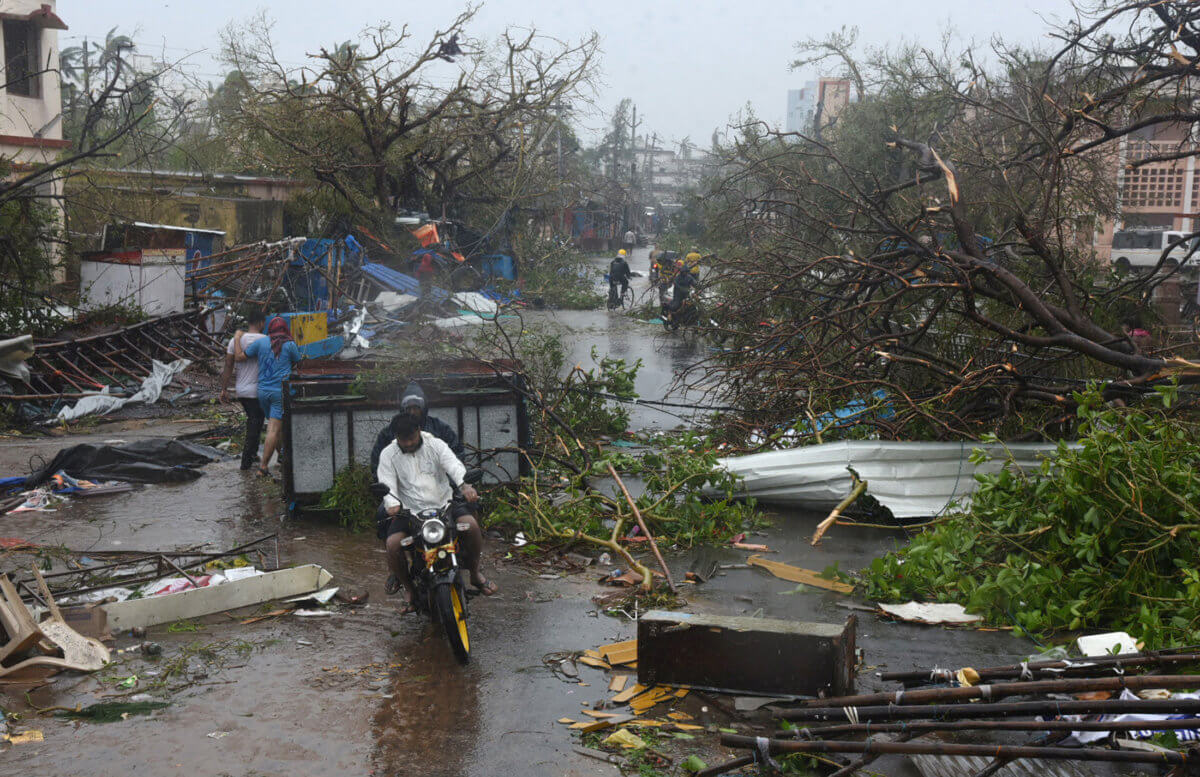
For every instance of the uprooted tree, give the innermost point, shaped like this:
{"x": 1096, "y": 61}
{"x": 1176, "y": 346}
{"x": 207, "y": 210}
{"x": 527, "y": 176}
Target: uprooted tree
{"x": 931, "y": 244}
{"x": 455, "y": 126}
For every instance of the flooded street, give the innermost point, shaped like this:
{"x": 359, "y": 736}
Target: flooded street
{"x": 365, "y": 691}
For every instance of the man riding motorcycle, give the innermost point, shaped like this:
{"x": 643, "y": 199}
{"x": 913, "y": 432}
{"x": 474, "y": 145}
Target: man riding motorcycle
{"x": 418, "y": 470}
{"x": 618, "y": 276}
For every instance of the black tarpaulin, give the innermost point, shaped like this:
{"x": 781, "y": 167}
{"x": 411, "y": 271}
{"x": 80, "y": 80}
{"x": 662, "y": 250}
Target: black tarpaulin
{"x": 144, "y": 461}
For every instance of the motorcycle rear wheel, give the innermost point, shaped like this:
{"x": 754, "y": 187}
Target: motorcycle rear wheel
{"x": 448, "y": 605}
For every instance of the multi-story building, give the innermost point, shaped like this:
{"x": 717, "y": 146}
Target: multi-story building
{"x": 31, "y": 103}
{"x": 31, "y": 115}
{"x": 667, "y": 174}
{"x": 817, "y": 105}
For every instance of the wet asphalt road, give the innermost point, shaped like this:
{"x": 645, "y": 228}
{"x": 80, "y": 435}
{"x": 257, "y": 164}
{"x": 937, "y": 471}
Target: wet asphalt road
{"x": 365, "y": 691}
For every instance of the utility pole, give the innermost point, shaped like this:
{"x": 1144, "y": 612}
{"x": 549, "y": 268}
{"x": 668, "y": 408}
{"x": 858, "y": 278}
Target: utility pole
{"x": 631, "y": 216}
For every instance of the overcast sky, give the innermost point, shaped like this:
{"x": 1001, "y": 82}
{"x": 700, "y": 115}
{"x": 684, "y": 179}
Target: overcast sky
{"x": 689, "y": 65}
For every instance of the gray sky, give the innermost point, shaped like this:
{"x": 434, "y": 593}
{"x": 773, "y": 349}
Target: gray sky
{"x": 689, "y": 65}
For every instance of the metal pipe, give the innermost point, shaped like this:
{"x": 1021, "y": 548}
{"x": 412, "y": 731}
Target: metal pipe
{"x": 1000, "y": 690}
{"x": 943, "y": 748}
{"x": 999, "y": 710}
{"x": 925, "y": 727}
{"x": 1178, "y": 655}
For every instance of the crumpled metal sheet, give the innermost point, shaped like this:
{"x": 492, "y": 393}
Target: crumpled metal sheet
{"x": 13, "y": 353}
{"x": 911, "y": 479}
{"x": 966, "y": 766}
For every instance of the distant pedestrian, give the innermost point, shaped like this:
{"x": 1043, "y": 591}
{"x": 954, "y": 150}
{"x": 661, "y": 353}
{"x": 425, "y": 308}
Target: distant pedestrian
{"x": 246, "y": 388}
{"x": 275, "y": 356}
{"x": 425, "y": 270}
{"x": 629, "y": 241}
{"x": 1138, "y": 335}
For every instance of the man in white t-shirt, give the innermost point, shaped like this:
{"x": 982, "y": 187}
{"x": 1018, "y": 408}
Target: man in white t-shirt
{"x": 247, "y": 386}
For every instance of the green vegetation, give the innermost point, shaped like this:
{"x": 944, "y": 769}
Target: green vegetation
{"x": 350, "y": 499}
{"x": 556, "y": 276}
{"x": 582, "y": 398}
{"x": 1104, "y": 537}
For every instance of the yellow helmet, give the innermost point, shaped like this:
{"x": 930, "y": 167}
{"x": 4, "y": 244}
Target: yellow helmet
{"x": 621, "y": 252}
{"x": 693, "y": 259}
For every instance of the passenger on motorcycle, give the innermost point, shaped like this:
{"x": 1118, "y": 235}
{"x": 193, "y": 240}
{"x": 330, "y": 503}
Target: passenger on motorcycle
{"x": 685, "y": 281}
{"x": 618, "y": 276}
{"x": 418, "y": 468}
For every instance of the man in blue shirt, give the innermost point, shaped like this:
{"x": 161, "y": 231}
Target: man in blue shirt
{"x": 276, "y": 354}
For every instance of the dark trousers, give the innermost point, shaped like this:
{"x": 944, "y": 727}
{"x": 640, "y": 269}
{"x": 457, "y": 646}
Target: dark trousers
{"x": 254, "y": 426}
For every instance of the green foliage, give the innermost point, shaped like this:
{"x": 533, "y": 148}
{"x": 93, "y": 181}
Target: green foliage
{"x": 673, "y": 501}
{"x": 582, "y": 404}
{"x": 350, "y": 499}
{"x": 557, "y": 276}
{"x": 28, "y": 229}
{"x": 1104, "y": 537}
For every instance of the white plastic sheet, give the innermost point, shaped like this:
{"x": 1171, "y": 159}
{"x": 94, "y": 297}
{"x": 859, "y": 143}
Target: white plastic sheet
{"x": 103, "y": 403}
{"x": 932, "y": 614}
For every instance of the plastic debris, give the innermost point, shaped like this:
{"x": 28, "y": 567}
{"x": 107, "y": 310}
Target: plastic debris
{"x": 623, "y": 737}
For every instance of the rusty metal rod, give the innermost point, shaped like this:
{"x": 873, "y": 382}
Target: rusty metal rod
{"x": 866, "y": 758}
{"x": 728, "y": 766}
{"x": 1076, "y": 664}
{"x": 1001, "y": 690}
{"x": 927, "y": 726}
{"x": 998, "y": 710}
{"x": 941, "y": 748}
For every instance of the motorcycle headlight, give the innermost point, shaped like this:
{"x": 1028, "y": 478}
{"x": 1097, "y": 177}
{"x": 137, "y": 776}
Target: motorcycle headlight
{"x": 433, "y": 532}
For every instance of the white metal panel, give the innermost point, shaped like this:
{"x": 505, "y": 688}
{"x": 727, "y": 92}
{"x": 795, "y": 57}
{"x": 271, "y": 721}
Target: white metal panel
{"x": 367, "y": 426}
{"x": 340, "y": 442}
{"x": 108, "y": 283}
{"x": 911, "y": 479}
{"x": 162, "y": 286}
{"x": 498, "y": 429}
{"x": 312, "y": 459}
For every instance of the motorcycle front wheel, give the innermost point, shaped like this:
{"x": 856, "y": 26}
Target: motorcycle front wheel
{"x": 448, "y": 604}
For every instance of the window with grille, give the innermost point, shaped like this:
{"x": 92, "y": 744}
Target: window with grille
{"x": 21, "y": 58}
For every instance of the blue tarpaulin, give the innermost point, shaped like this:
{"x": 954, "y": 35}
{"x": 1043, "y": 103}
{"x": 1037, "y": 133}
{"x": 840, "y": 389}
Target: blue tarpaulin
{"x": 398, "y": 281}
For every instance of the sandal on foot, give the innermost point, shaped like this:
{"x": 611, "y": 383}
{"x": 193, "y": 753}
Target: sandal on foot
{"x": 392, "y": 586}
{"x": 486, "y": 587}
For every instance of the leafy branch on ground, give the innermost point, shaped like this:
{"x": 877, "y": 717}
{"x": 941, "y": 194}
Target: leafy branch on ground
{"x": 1105, "y": 536}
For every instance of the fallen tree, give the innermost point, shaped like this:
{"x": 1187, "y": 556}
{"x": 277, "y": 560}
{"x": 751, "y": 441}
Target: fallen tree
{"x": 933, "y": 241}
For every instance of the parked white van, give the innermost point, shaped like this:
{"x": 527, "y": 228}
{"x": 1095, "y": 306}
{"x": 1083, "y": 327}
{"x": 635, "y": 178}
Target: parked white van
{"x": 1141, "y": 249}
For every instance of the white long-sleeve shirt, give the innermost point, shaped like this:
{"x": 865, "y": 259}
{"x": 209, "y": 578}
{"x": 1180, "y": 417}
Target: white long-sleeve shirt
{"x": 418, "y": 480}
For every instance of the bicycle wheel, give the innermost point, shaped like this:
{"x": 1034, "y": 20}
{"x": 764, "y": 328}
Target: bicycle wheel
{"x": 627, "y": 297}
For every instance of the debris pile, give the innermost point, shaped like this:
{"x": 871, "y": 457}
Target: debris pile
{"x": 1089, "y": 709}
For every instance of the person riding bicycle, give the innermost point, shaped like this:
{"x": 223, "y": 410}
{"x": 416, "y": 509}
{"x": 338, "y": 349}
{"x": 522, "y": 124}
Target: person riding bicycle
{"x": 418, "y": 470}
{"x": 618, "y": 275}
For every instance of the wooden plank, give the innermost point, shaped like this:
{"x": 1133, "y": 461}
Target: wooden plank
{"x": 600, "y": 715}
{"x": 617, "y": 683}
{"x": 619, "y": 652}
{"x": 799, "y": 575}
{"x": 198, "y": 602}
{"x": 603, "y": 723}
{"x": 567, "y": 721}
{"x": 628, "y": 693}
{"x": 596, "y": 662}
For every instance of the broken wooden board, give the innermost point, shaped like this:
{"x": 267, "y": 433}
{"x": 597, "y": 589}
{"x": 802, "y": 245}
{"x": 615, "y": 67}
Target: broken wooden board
{"x": 799, "y": 575}
{"x": 619, "y": 652}
{"x": 599, "y": 714}
{"x": 617, "y": 683}
{"x": 600, "y": 724}
{"x": 651, "y": 699}
{"x": 629, "y": 693}
{"x": 198, "y": 602}
{"x": 567, "y": 721}
{"x": 746, "y": 655}
{"x": 598, "y": 663}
